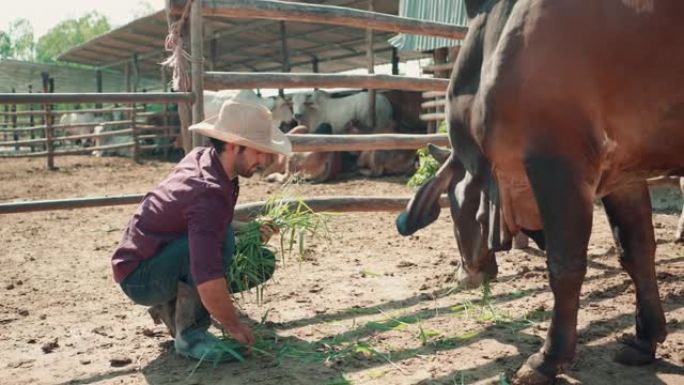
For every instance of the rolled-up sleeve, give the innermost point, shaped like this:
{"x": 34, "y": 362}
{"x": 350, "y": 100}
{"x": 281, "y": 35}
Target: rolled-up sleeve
{"x": 208, "y": 217}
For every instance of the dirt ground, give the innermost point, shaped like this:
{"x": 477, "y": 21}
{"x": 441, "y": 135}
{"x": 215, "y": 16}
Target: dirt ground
{"x": 369, "y": 307}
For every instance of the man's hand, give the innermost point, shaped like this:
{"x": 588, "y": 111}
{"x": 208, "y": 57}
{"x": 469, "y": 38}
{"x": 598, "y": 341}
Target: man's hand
{"x": 216, "y": 298}
{"x": 241, "y": 333}
{"x": 267, "y": 229}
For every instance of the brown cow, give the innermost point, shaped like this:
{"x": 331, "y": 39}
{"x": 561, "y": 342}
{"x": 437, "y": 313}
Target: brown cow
{"x": 314, "y": 167}
{"x": 544, "y": 117}
{"x": 679, "y": 235}
{"x": 381, "y": 162}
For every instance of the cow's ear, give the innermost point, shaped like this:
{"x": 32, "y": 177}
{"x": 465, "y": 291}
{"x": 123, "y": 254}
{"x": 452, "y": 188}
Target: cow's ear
{"x": 473, "y": 7}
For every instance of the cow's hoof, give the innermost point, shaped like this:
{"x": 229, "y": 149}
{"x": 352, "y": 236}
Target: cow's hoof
{"x": 635, "y": 352}
{"x": 469, "y": 280}
{"x": 531, "y": 372}
{"x": 472, "y": 280}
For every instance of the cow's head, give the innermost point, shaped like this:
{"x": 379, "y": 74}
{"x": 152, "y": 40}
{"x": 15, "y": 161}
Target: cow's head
{"x": 470, "y": 212}
{"x": 302, "y": 105}
{"x": 281, "y": 109}
{"x": 306, "y": 106}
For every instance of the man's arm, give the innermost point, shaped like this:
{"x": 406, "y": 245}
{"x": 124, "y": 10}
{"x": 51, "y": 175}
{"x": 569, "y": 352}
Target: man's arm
{"x": 216, "y": 298}
{"x": 238, "y": 226}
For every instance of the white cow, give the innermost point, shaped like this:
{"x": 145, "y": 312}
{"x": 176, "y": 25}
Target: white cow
{"x": 313, "y": 108}
{"x": 112, "y": 140}
{"x": 77, "y": 118}
{"x": 279, "y": 107}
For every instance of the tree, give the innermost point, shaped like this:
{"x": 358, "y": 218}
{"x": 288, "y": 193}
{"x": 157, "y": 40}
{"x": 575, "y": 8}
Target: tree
{"x": 5, "y": 45}
{"x": 70, "y": 33}
{"x": 21, "y": 35}
{"x": 17, "y": 41}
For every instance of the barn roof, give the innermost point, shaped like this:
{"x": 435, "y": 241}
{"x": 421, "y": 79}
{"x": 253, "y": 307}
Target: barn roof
{"x": 243, "y": 44}
{"x": 68, "y": 78}
{"x": 444, "y": 11}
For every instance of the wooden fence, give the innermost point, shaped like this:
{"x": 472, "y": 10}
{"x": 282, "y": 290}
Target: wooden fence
{"x": 130, "y": 133}
{"x": 221, "y": 80}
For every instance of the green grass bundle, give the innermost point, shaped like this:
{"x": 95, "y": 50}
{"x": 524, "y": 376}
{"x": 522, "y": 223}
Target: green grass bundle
{"x": 254, "y": 262}
{"x": 295, "y": 219}
{"x": 427, "y": 167}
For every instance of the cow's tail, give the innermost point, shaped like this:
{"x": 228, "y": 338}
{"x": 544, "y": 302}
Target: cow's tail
{"x": 424, "y": 207}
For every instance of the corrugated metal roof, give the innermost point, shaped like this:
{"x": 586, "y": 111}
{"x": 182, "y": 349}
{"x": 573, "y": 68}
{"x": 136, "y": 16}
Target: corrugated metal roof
{"x": 68, "y": 78}
{"x": 445, "y": 11}
{"x": 243, "y": 44}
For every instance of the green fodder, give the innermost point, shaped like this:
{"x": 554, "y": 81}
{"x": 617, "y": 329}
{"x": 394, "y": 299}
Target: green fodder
{"x": 427, "y": 167}
{"x": 295, "y": 219}
{"x": 254, "y": 262}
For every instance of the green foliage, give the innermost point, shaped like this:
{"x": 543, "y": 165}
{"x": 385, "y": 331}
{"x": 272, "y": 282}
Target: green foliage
{"x": 442, "y": 128}
{"x": 17, "y": 42}
{"x": 5, "y": 45}
{"x": 70, "y": 33}
{"x": 427, "y": 167}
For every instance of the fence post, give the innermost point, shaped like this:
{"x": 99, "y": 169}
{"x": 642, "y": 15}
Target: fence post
{"x": 134, "y": 129}
{"x": 98, "y": 87}
{"x": 371, "y": 69}
{"x": 31, "y": 118}
{"x": 5, "y": 134}
{"x": 48, "y": 137}
{"x": 47, "y": 118}
{"x": 395, "y": 61}
{"x": 284, "y": 52}
{"x": 197, "y": 68}
{"x": 15, "y": 133}
{"x": 165, "y": 118}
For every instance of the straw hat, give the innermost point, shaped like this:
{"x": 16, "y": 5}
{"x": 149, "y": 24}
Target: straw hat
{"x": 245, "y": 124}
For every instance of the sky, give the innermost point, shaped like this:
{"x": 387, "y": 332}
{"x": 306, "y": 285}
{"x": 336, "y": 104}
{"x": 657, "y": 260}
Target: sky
{"x": 45, "y": 14}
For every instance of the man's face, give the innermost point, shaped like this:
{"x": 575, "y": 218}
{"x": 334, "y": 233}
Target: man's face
{"x": 250, "y": 160}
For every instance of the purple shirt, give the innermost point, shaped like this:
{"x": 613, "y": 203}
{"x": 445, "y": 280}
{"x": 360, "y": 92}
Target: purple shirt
{"x": 196, "y": 199}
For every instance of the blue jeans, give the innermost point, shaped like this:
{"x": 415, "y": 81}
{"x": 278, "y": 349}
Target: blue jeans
{"x": 155, "y": 280}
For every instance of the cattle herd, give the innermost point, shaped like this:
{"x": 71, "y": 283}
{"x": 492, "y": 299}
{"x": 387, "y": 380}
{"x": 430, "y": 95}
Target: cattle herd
{"x": 316, "y": 112}
{"x": 319, "y": 112}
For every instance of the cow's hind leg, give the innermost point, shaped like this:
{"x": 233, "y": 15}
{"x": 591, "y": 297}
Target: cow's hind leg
{"x": 629, "y": 214}
{"x": 565, "y": 206}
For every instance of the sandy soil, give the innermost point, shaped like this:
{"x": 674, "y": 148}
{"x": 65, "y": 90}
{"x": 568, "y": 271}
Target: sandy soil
{"x": 370, "y": 307}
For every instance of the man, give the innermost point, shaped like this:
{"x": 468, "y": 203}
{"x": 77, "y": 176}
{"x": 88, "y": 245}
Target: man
{"x": 178, "y": 245}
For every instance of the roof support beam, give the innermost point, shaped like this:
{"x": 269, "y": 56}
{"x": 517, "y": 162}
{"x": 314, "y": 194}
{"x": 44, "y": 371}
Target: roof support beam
{"x": 315, "y": 51}
{"x": 325, "y": 14}
{"x": 245, "y": 80}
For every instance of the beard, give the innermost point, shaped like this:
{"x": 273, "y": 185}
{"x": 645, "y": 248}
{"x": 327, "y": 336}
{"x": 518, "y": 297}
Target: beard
{"x": 244, "y": 170}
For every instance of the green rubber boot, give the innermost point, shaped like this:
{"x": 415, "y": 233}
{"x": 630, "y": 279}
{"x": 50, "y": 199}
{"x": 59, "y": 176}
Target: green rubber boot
{"x": 193, "y": 339}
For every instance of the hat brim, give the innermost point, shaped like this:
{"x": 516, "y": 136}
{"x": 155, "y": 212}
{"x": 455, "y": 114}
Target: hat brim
{"x": 279, "y": 143}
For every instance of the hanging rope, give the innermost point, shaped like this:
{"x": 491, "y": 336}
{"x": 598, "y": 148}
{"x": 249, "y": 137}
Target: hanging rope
{"x": 179, "y": 58}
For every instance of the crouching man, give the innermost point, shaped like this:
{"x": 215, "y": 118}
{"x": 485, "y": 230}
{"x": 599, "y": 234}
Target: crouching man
{"x": 180, "y": 242}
